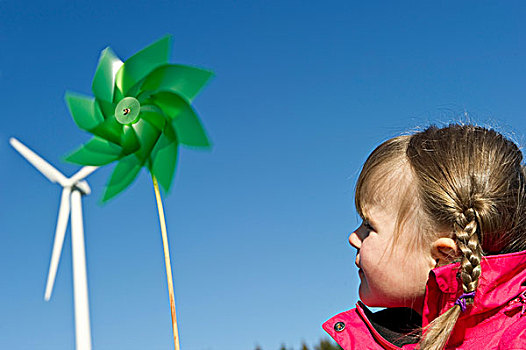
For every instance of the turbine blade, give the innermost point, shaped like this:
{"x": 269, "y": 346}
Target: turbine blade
{"x": 82, "y": 173}
{"x": 62, "y": 223}
{"x": 44, "y": 167}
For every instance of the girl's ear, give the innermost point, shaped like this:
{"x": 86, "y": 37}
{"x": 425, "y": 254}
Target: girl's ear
{"x": 444, "y": 250}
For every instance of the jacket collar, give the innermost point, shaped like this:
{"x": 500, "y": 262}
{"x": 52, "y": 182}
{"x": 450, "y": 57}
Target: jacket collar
{"x": 502, "y": 279}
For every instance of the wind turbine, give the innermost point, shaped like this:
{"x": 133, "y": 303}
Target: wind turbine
{"x": 71, "y": 203}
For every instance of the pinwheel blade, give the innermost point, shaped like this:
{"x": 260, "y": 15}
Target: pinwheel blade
{"x": 104, "y": 79}
{"x": 142, "y": 63}
{"x": 60, "y": 232}
{"x": 153, "y": 115}
{"x": 164, "y": 160}
{"x": 183, "y": 80}
{"x": 44, "y": 167}
{"x": 95, "y": 152}
{"x": 84, "y": 110}
{"x": 148, "y": 136}
{"x": 130, "y": 141}
{"x": 123, "y": 175}
{"x": 107, "y": 108}
{"x": 110, "y": 130}
{"x": 190, "y": 131}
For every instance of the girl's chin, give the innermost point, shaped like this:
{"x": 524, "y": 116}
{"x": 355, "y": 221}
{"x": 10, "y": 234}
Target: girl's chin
{"x": 365, "y": 295}
{"x": 372, "y": 299}
{"x": 368, "y": 296}
{"x": 370, "y": 303}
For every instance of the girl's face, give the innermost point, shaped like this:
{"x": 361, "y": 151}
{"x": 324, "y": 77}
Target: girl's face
{"x": 390, "y": 275}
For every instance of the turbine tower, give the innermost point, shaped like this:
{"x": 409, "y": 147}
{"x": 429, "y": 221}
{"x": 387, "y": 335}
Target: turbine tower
{"x": 71, "y": 203}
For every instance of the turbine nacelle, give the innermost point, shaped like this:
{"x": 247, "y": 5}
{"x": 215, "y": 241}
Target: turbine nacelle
{"x": 83, "y": 187}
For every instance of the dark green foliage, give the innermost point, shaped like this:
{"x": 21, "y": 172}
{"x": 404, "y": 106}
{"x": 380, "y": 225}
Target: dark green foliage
{"x": 324, "y": 344}
{"x": 327, "y": 345}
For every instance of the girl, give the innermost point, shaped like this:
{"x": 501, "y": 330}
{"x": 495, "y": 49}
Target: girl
{"x": 442, "y": 244}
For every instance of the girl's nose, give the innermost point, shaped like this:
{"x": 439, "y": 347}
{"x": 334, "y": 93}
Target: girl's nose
{"x": 355, "y": 240}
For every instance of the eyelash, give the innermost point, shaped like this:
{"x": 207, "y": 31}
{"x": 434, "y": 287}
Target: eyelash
{"x": 367, "y": 225}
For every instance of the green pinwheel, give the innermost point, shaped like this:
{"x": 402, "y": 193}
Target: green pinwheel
{"x": 140, "y": 114}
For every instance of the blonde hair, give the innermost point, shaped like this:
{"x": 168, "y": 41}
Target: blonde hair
{"x": 465, "y": 180}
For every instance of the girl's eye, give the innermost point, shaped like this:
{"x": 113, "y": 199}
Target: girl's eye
{"x": 367, "y": 225}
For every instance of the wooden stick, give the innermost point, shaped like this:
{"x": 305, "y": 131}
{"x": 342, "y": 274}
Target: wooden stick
{"x": 167, "y": 261}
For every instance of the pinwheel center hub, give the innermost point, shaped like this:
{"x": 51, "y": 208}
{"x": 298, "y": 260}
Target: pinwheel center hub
{"x": 127, "y": 110}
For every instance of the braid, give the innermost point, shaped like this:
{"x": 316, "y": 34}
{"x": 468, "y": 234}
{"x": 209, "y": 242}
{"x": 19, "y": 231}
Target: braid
{"x": 467, "y": 236}
{"x": 468, "y": 242}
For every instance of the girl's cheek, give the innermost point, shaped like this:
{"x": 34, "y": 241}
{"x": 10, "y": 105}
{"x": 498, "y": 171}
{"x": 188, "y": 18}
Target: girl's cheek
{"x": 369, "y": 259}
{"x": 373, "y": 251}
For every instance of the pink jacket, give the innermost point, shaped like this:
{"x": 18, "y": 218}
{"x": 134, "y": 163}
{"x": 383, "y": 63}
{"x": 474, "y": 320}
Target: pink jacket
{"x": 494, "y": 321}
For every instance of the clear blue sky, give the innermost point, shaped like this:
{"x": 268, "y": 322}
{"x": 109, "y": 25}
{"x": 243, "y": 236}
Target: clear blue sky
{"x": 258, "y": 226}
